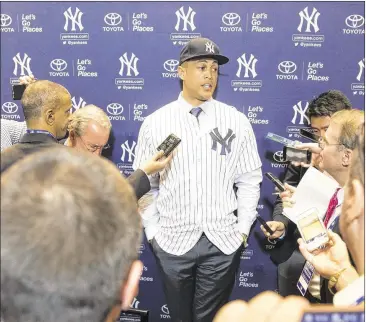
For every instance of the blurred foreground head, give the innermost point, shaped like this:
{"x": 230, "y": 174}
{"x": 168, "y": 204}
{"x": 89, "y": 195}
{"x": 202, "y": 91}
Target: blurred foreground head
{"x": 352, "y": 219}
{"x": 70, "y": 232}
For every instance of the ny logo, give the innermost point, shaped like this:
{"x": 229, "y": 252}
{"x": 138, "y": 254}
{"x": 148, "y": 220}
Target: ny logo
{"x": 187, "y": 19}
{"x": 225, "y": 142}
{"x": 248, "y": 65}
{"x": 76, "y": 106}
{"x": 130, "y": 150}
{"x": 210, "y": 47}
{"x": 74, "y": 18}
{"x": 130, "y": 64}
{"x": 23, "y": 64}
{"x": 361, "y": 64}
{"x": 135, "y": 303}
{"x": 298, "y": 109}
{"x": 311, "y": 20}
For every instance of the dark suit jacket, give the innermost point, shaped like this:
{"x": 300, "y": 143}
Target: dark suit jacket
{"x": 34, "y": 142}
{"x": 287, "y": 246}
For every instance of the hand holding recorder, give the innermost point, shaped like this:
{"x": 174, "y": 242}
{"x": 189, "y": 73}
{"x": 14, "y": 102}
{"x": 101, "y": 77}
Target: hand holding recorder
{"x": 164, "y": 155}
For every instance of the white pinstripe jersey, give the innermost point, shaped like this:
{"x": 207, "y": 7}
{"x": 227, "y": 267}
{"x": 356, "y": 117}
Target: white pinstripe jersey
{"x": 195, "y": 193}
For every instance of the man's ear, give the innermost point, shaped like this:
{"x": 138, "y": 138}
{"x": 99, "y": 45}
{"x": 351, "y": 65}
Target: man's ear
{"x": 131, "y": 286}
{"x": 347, "y": 157}
{"x": 49, "y": 116}
{"x": 182, "y": 72}
{"x": 72, "y": 138}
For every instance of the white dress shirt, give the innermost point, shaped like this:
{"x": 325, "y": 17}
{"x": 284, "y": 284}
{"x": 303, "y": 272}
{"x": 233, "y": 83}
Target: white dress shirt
{"x": 195, "y": 192}
{"x": 11, "y": 132}
{"x": 314, "y": 285}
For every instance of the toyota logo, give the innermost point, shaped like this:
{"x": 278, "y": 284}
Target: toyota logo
{"x": 278, "y": 157}
{"x": 10, "y": 107}
{"x": 165, "y": 309}
{"x": 58, "y": 65}
{"x": 115, "y": 109}
{"x": 287, "y": 67}
{"x": 355, "y": 21}
{"x": 171, "y": 65}
{"x": 231, "y": 19}
{"x": 112, "y": 19}
{"x": 5, "y": 20}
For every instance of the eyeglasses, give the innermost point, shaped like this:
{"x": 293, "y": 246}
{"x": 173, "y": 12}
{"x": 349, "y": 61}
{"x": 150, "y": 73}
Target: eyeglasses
{"x": 94, "y": 147}
{"x": 323, "y": 143}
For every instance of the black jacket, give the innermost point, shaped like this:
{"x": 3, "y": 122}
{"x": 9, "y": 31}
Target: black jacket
{"x": 34, "y": 142}
{"x": 287, "y": 246}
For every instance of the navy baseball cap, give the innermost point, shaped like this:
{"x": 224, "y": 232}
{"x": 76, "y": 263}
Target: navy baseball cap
{"x": 201, "y": 48}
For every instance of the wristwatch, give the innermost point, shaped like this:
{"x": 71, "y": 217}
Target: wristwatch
{"x": 333, "y": 281}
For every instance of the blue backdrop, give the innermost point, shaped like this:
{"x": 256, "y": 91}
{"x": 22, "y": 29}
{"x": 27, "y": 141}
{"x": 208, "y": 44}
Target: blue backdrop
{"x": 123, "y": 57}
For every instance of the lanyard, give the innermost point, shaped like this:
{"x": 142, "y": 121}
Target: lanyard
{"x": 41, "y": 132}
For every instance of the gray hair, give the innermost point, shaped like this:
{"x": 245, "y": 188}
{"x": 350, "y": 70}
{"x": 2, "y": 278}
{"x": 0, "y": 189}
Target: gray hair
{"x": 69, "y": 234}
{"x": 78, "y": 121}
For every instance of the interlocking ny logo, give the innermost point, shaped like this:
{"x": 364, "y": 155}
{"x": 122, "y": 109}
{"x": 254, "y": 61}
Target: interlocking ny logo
{"x": 361, "y": 64}
{"x": 187, "y": 19}
{"x": 131, "y": 64}
{"x": 135, "y": 303}
{"x": 210, "y": 47}
{"x": 129, "y": 149}
{"x": 299, "y": 110}
{"x": 248, "y": 65}
{"x": 311, "y": 20}
{"x": 75, "y": 105}
{"x": 225, "y": 142}
{"x": 74, "y": 18}
{"x": 24, "y": 65}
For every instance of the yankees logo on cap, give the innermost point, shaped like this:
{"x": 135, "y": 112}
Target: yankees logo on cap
{"x": 200, "y": 48}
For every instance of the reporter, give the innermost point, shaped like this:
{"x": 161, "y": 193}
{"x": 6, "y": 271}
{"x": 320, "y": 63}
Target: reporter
{"x": 270, "y": 307}
{"x": 335, "y": 158}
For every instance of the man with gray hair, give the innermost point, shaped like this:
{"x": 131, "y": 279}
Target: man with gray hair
{"x": 89, "y": 129}
{"x": 70, "y": 232}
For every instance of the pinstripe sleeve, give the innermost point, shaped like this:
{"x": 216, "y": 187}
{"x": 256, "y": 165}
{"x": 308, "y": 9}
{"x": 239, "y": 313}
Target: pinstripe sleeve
{"x": 148, "y": 203}
{"x": 247, "y": 180}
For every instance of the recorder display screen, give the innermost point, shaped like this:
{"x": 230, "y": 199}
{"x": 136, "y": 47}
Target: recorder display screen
{"x": 311, "y": 227}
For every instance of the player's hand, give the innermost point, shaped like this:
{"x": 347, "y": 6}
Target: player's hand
{"x": 277, "y": 227}
{"x": 156, "y": 163}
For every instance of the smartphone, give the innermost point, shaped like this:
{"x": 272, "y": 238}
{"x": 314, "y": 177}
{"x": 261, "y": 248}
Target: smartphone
{"x": 292, "y": 154}
{"x": 263, "y": 222}
{"x": 312, "y": 229}
{"x": 280, "y": 139}
{"x": 306, "y": 133}
{"x": 18, "y": 91}
{"x": 169, "y": 144}
{"x": 276, "y": 181}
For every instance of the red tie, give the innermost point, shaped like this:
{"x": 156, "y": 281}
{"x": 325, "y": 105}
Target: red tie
{"x": 331, "y": 207}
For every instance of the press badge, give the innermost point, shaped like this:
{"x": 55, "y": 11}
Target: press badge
{"x": 305, "y": 278}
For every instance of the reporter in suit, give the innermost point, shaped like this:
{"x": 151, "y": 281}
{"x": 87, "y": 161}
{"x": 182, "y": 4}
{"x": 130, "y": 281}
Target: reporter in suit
{"x": 286, "y": 254}
{"x": 46, "y": 108}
